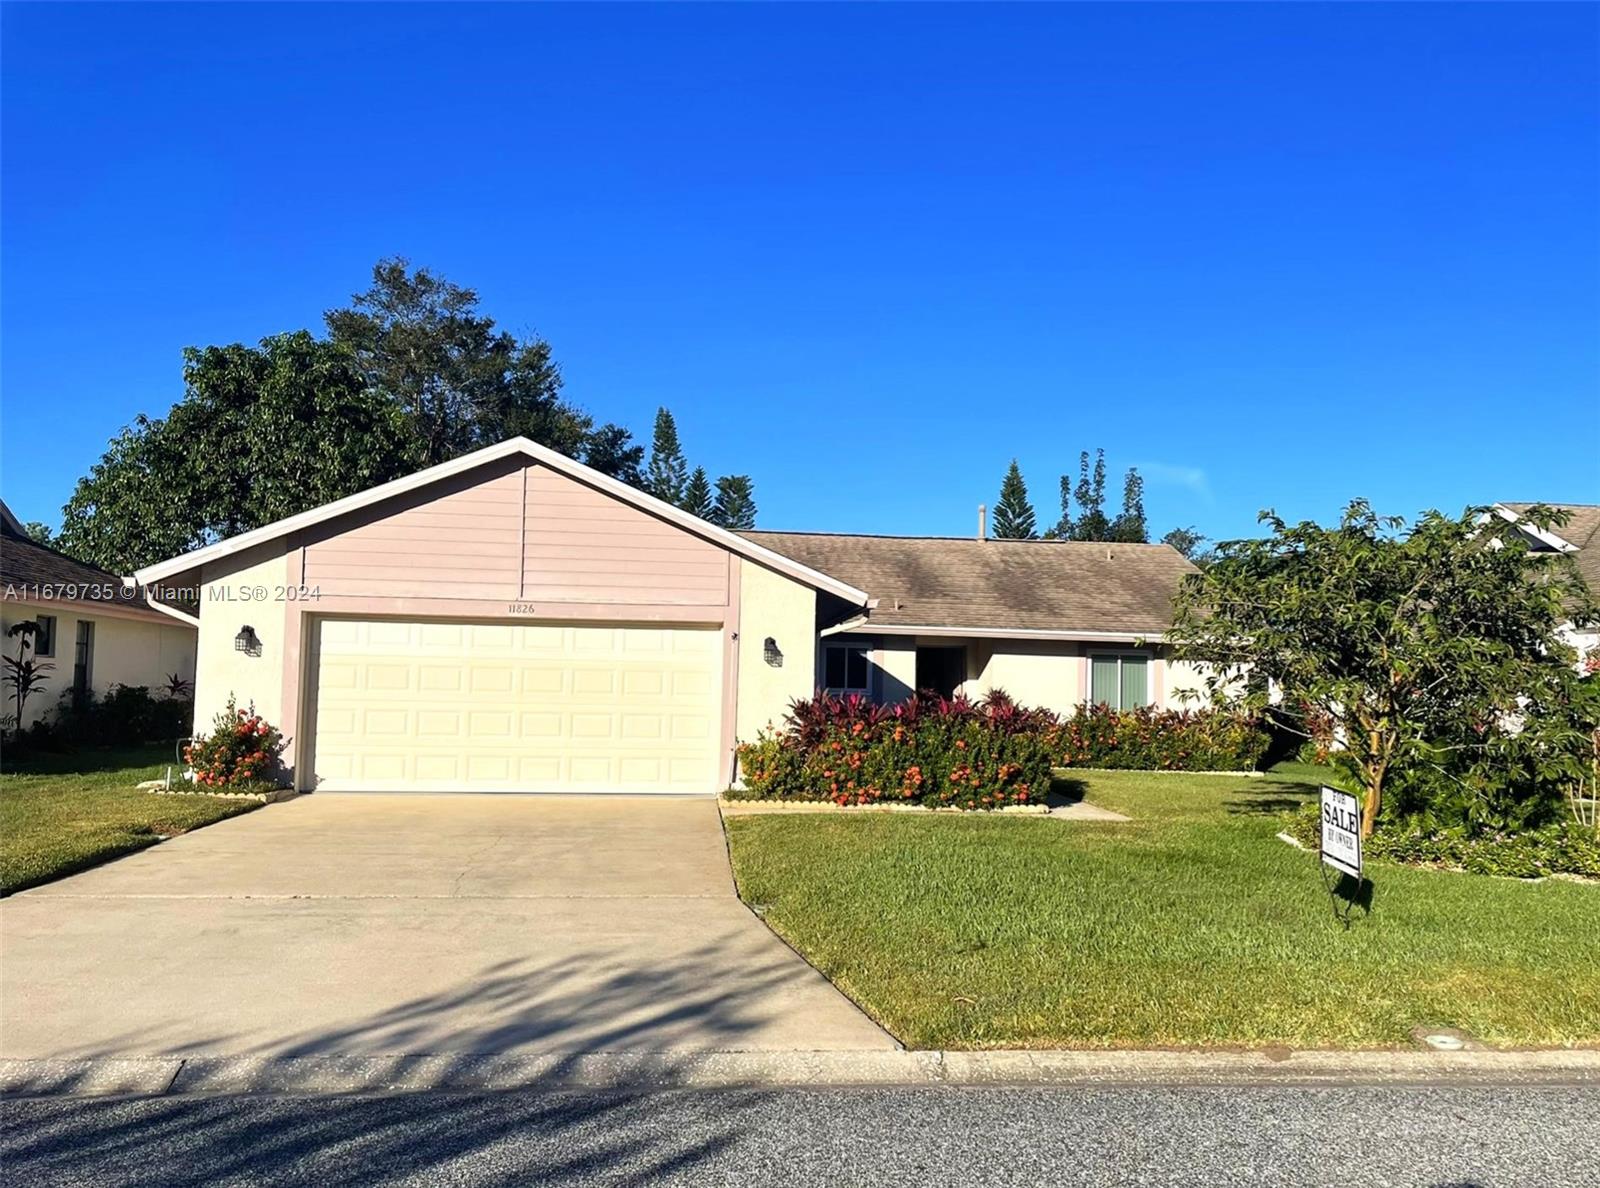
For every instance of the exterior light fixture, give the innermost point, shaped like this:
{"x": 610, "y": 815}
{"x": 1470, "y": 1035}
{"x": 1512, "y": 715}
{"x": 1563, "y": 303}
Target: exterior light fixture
{"x": 247, "y": 641}
{"x": 770, "y": 652}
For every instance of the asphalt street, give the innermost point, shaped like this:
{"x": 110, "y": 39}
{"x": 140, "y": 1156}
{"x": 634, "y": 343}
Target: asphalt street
{"x": 1273, "y": 1135}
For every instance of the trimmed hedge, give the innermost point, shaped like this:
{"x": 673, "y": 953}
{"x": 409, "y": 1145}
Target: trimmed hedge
{"x": 1563, "y": 848}
{"x": 938, "y": 753}
{"x": 1150, "y": 739}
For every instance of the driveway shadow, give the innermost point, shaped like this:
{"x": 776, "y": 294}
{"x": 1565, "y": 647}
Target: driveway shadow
{"x": 516, "y": 1007}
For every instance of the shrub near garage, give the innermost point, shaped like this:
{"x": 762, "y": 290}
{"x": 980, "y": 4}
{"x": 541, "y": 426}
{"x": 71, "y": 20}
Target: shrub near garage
{"x": 934, "y": 752}
{"x": 242, "y": 749}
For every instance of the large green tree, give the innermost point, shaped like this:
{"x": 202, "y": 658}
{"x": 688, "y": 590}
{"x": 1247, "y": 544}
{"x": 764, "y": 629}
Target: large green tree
{"x": 735, "y": 503}
{"x": 1429, "y": 654}
{"x": 1129, "y": 527}
{"x": 461, "y": 381}
{"x": 1091, "y": 522}
{"x": 668, "y": 473}
{"x": 260, "y": 433}
{"x": 1013, "y": 514}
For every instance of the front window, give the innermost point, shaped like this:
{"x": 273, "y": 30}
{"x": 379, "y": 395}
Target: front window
{"x": 1120, "y": 680}
{"x": 44, "y": 643}
{"x": 845, "y": 668}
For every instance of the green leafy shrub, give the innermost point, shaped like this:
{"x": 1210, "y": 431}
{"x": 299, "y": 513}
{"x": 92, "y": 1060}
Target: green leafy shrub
{"x": 1151, "y": 739}
{"x": 939, "y": 753}
{"x": 242, "y": 749}
{"x": 125, "y": 715}
{"x": 1560, "y": 848}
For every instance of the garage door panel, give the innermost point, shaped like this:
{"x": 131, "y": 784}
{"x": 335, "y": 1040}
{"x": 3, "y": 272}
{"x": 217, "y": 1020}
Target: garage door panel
{"x": 548, "y": 707}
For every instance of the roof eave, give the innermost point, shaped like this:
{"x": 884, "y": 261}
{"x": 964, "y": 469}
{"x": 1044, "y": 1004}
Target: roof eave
{"x": 867, "y": 627}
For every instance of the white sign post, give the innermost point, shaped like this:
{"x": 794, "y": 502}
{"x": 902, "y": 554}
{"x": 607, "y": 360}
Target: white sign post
{"x": 1341, "y": 831}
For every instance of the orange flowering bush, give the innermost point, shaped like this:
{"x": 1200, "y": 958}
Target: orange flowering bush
{"x": 242, "y": 748}
{"x": 942, "y": 753}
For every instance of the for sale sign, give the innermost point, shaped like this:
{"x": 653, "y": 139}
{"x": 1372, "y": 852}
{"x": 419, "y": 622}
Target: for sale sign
{"x": 1341, "y": 831}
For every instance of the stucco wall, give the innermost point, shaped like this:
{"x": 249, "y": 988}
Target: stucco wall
{"x": 1182, "y": 677}
{"x": 232, "y": 597}
{"x": 773, "y": 605}
{"x": 126, "y": 652}
{"x": 1045, "y": 674}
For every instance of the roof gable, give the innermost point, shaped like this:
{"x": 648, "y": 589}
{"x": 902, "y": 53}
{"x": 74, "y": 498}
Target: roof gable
{"x": 463, "y": 465}
{"x": 1579, "y": 537}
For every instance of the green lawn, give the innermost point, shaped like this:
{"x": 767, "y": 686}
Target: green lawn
{"x": 1191, "y": 925}
{"x": 61, "y": 813}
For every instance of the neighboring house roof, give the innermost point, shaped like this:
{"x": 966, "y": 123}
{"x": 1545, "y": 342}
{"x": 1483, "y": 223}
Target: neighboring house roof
{"x": 962, "y": 585}
{"x": 1579, "y": 537}
{"x": 560, "y": 463}
{"x": 32, "y": 572}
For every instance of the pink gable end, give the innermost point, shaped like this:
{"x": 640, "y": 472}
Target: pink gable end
{"x": 516, "y": 531}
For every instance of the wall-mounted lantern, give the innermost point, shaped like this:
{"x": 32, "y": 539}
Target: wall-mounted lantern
{"x": 247, "y": 641}
{"x": 770, "y": 653}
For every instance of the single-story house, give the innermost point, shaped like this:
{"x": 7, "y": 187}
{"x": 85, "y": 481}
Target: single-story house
{"x": 514, "y": 621}
{"x": 95, "y": 629}
{"x": 1578, "y": 538}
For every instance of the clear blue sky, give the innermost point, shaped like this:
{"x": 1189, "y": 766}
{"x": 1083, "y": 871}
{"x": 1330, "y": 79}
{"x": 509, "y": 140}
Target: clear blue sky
{"x": 1273, "y": 254}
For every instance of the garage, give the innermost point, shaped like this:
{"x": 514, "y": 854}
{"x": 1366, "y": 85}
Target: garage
{"x": 507, "y": 621}
{"x": 515, "y": 707}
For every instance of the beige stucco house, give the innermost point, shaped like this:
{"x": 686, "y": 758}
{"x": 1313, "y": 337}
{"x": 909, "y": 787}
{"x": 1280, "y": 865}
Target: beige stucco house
{"x": 95, "y": 629}
{"x": 513, "y": 621}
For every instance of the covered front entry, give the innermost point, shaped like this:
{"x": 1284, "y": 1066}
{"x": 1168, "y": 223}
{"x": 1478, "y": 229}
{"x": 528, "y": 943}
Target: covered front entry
{"x": 509, "y": 706}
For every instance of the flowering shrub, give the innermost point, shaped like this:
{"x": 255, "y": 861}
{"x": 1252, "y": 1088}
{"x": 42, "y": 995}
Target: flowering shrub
{"x": 1151, "y": 739}
{"x": 241, "y": 749}
{"x": 940, "y": 753}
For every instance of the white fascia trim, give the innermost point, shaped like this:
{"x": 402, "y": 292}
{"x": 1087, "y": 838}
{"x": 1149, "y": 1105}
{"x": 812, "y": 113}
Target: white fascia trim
{"x": 11, "y": 521}
{"x": 1549, "y": 539}
{"x": 868, "y": 628}
{"x": 505, "y": 449}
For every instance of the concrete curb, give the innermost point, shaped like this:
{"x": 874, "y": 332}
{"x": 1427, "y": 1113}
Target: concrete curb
{"x": 644, "y": 1071}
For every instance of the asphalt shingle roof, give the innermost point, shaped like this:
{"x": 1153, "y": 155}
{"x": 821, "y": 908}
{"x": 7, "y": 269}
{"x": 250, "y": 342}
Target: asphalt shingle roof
{"x": 27, "y": 566}
{"x": 1033, "y": 585}
{"x": 1582, "y": 529}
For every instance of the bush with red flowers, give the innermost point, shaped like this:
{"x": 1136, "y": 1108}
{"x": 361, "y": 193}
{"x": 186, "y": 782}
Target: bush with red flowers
{"x": 935, "y": 752}
{"x": 241, "y": 749}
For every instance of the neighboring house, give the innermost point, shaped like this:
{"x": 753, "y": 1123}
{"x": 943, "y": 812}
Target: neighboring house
{"x": 1579, "y": 538}
{"x": 514, "y": 621}
{"x": 95, "y": 630}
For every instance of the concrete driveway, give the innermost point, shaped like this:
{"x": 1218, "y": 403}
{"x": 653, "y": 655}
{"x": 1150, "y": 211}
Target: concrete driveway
{"x": 368, "y": 925}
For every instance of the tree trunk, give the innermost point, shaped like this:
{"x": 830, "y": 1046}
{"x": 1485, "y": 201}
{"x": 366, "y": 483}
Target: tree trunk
{"x": 1376, "y": 769}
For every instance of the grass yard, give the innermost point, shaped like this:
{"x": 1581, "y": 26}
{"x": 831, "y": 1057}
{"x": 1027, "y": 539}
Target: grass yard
{"x": 62, "y": 813}
{"x": 1191, "y": 925}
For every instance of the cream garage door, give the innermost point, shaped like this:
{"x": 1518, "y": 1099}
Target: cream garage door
{"x": 513, "y": 707}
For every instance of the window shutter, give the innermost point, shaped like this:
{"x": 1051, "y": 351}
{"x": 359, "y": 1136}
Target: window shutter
{"x": 1103, "y": 680}
{"x": 1135, "y": 682}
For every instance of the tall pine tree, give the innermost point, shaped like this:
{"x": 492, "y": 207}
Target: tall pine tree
{"x": 1129, "y": 527}
{"x": 1013, "y": 514}
{"x": 735, "y": 505}
{"x": 668, "y": 473}
{"x": 1092, "y": 522}
{"x": 697, "y": 499}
